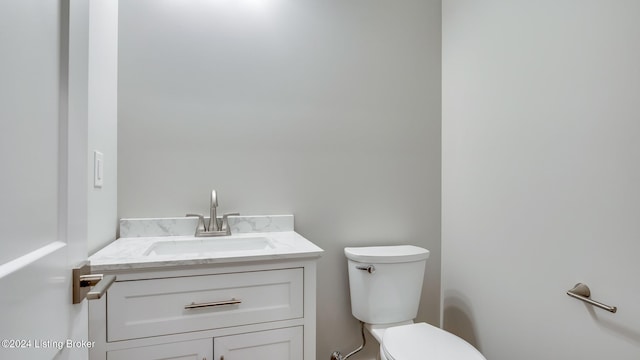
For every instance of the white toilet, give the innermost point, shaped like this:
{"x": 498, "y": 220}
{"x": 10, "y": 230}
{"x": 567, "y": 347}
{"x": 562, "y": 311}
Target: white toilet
{"x": 386, "y": 284}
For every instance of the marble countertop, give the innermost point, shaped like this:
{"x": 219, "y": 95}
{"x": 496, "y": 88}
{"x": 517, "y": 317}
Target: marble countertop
{"x": 131, "y": 253}
{"x": 139, "y": 236}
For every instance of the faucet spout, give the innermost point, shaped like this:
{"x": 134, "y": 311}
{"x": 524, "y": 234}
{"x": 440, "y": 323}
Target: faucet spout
{"x": 215, "y": 227}
{"x": 213, "y": 220}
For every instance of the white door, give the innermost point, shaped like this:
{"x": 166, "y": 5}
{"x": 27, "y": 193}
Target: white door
{"x": 43, "y": 167}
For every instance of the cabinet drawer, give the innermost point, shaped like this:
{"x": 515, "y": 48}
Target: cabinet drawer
{"x": 144, "y": 308}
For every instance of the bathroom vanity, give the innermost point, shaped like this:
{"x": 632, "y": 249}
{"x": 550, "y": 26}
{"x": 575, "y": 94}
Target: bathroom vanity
{"x": 248, "y": 296}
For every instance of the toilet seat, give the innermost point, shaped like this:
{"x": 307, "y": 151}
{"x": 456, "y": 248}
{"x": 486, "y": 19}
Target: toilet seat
{"x": 422, "y": 341}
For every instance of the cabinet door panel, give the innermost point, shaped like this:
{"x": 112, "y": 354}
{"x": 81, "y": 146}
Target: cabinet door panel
{"x": 279, "y": 344}
{"x": 187, "y": 350}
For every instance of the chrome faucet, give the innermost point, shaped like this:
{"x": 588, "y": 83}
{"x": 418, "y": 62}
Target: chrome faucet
{"x": 216, "y": 227}
{"x": 213, "y": 219}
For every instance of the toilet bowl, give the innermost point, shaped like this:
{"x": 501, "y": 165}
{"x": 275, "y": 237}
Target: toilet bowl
{"x": 385, "y": 283}
{"x": 422, "y": 341}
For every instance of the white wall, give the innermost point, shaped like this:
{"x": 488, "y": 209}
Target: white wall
{"x": 103, "y": 121}
{"x": 540, "y": 176}
{"x": 329, "y": 110}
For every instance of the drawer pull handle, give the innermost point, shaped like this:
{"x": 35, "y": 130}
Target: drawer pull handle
{"x": 193, "y": 305}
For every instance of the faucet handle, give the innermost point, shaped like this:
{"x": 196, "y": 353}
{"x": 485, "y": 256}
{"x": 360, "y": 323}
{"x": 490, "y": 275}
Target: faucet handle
{"x": 225, "y": 222}
{"x": 201, "y": 227}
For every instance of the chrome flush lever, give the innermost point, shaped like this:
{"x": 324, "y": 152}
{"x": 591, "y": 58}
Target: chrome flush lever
{"x": 368, "y": 268}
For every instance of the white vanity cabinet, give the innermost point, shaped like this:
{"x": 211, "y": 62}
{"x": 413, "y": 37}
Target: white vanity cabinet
{"x": 254, "y": 310}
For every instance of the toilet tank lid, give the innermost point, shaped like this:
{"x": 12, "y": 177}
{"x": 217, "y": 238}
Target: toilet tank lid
{"x": 386, "y": 254}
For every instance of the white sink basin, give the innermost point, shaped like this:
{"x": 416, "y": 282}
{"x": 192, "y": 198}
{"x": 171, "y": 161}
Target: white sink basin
{"x": 209, "y": 245}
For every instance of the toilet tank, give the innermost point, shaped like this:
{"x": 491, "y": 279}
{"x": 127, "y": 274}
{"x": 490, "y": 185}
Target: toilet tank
{"x": 385, "y": 282}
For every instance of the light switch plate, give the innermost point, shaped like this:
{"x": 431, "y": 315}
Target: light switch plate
{"x": 98, "y": 169}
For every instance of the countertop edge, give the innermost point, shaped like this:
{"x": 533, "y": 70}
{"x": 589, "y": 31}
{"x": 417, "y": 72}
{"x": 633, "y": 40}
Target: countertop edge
{"x": 163, "y": 265}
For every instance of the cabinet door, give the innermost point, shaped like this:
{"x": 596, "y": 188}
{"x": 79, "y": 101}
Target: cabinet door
{"x": 280, "y": 344}
{"x": 187, "y": 350}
